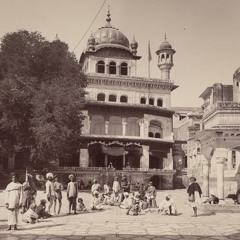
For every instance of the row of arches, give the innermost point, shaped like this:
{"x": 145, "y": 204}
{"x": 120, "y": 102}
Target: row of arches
{"x": 111, "y": 98}
{"x": 124, "y": 99}
{"x": 114, "y": 125}
{"x": 151, "y": 101}
{"x": 111, "y": 68}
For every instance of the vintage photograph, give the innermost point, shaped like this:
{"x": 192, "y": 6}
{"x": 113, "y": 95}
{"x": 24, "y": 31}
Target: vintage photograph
{"x": 119, "y": 120}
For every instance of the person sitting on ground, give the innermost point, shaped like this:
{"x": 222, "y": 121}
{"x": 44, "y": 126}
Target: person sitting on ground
{"x": 212, "y": 200}
{"x": 30, "y": 216}
{"x": 135, "y": 209}
{"x": 168, "y": 205}
{"x": 107, "y": 199}
{"x": 96, "y": 186}
{"x": 144, "y": 204}
{"x": 115, "y": 199}
{"x": 110, "y": 165}
{"x": 41, "y": 210}
{"x": 81, "y": 206}
{"x": 95, "y": 203}
{"x": 127, "y": 201}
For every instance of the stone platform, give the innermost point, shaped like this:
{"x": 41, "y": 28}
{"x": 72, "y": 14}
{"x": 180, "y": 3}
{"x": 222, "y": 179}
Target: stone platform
{"x": 112, "y": 223}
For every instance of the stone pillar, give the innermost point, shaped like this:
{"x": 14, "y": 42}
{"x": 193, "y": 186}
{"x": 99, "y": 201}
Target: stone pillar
{"x": 144, "y": 161}
{"x": 124, "y": 160}
{"x": 106, "y": 127}
{"x": 105, "y": 160}
{"x": 141, "y": 123}
{"x": 221, "y": 155}
{"x": 84, "y": 157}
{"x": 205, "y": 174}
{"x": 124, "y": 125}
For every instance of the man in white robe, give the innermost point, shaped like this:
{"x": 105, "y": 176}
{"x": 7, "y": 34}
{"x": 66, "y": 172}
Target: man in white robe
{"x": 13, "y": 201}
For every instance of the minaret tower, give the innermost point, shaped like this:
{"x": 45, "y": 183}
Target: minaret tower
{"x": 165, "y": 59}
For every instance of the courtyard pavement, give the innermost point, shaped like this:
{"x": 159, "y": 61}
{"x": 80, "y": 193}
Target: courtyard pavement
{"x": 112, "y": 223}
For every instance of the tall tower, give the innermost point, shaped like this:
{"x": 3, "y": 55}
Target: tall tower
{"x": 236, "y": 86}
{"x": 165, "y": 59}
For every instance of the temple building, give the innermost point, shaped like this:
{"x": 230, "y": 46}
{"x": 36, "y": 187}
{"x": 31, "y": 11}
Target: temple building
{"x": 128, "y": 125}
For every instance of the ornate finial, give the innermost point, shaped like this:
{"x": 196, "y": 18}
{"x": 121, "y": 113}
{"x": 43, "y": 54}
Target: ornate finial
{"x": 108, "y": 19}
{"x": 56, "y": 37}
{"x": 165, "y": 36}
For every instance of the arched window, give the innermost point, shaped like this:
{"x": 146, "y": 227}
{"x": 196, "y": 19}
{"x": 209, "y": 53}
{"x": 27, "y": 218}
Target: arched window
{"x": 101, "y": 67}
{"x": 160, "y": 102}
{"x": 162, "y": 57}
{"x": 101, "y": 97}
{"x": 132, "y": 127}
{"x": 115, "y": 126}
{"x": 97, "y": 125}
{"x": 124, "y": 99}
{"x": 155, "y": 128}
{"x": 112, "y": 98}
{"x": 167, "y": 58}
{"x": 124, "y": 69}
{"x": 112, "y": 68}
{"x": 143, "y": 100}
{"x": 151, "y": 101}
{"x": 150, "y": 134}
{"x": 157, "y": 135}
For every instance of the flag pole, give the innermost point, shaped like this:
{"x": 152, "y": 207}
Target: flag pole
{"x": 149, "y": 58}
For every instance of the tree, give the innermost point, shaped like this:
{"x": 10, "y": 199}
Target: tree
{"x": 41, "y": 97}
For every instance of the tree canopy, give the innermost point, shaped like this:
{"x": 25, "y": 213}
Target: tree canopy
{"x": 41, "y": 97}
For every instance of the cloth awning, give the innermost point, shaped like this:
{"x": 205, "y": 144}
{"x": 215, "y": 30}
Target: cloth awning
{"x": 114, "y": 151}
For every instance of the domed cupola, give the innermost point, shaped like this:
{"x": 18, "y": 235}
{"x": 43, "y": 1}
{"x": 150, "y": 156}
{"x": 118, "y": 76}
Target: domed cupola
{"x": 109, "y": 36}
{"x": 134, "y": 46}
{"x": 91, "y": 42}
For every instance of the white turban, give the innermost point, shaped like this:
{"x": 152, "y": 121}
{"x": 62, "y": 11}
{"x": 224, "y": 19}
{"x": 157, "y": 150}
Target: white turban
{"x": 49, "y": 175}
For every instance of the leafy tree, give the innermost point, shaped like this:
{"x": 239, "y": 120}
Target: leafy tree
{"x": 41, "y": 97}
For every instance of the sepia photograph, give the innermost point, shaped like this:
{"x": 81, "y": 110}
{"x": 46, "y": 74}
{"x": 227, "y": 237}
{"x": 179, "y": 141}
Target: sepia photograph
{"x": 119, "y": 119}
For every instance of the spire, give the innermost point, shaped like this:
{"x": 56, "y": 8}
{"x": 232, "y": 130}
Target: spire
{"x": 165, "y": 37}
{"x": 108, "y": 19}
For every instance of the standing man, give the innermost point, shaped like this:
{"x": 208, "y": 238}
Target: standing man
{"x": 151, "y": 195}
{"x": 29, "y": 192}
{"x": 72, "y": 194}
{"x": 13, "y": 200}
{"x": 116, "y": 185}
{"x": 50, "y": 192}
{"x": 58, "y": 187}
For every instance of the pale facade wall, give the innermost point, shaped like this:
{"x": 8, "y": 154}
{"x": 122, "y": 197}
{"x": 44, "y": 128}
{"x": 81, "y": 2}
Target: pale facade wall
{"x": 231, "y": 118}
{"x": 133, "y": 95}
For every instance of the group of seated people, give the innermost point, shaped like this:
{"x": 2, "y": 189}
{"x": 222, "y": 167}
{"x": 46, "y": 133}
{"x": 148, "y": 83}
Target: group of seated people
{"x": 137, "y": 202}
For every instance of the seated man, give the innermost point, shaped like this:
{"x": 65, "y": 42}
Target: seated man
{"x": 95, "y": 203}
{"x": 30, "y": 216}
{"x": 168, "y": 206}
{"x": 127, "y": 201}
{"x": 115, "y": 199}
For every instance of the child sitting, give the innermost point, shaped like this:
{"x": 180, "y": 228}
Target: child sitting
{"x": 30, "y": 216}
{"x": 40, "y": 210}
{"x": 107, "y": 199}
{"x": 81, "y": 206}
{"x": 168, "y": 206}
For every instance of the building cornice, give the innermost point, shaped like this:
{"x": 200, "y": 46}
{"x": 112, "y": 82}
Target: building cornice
{"x": 127, "y": 81}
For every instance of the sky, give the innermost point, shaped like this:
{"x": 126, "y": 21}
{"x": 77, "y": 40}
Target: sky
{"x": 204, "y": 33}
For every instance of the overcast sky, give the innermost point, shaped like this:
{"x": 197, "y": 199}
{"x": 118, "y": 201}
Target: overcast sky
{"x": 204, "y": 33}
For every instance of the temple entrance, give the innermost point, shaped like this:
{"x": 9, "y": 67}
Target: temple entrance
{"x": 117, "y": 161}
